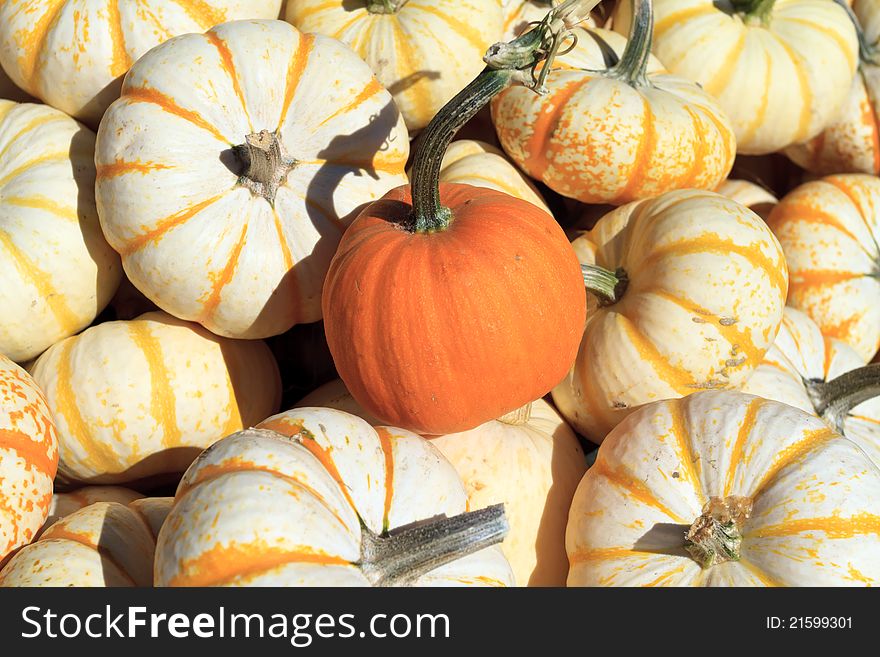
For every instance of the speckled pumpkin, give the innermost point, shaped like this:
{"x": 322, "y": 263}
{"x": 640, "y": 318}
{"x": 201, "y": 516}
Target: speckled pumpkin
{"x": 28, "y": 457}
{"x": 142, "y": 398}
{"x": 229, "y": 167}
{"x": 615, "y": 135}
{"x": 700, "y": 287}
{"x": 103, "y": 544}
{"x": 829, "y": 230}
{"x": 299, "y": 507}
{"x": 72, "y": 54}
{"x": 56, "y": 268}
{"x": 725, "y": 489}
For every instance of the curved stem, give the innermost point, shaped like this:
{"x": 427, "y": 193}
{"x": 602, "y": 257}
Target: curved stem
{"x": 754, "y": 11}
{"x": 834, "y": 399}
{"x": 400, "y": 558}
{"x": 608, "y": 286}
{"x": 505, "y": 63}
{"x": 633, "y": 65}
{"x": 716, "y": 535}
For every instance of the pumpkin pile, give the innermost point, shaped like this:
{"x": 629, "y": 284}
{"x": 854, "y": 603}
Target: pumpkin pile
{"x": 434, "y": 293}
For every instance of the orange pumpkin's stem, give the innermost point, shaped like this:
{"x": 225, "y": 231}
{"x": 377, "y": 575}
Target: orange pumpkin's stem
{"x": 834, "y": 399}
{"x": 505, "y": 63}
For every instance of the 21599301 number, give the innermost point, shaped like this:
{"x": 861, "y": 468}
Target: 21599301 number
{"x": 809, "y": 622}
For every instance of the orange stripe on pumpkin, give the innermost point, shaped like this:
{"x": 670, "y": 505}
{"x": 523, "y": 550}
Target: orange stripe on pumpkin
{"x": 471, "y": 34}
{"x": 793, "y": 453}
{"x": 43, "y": 203}
{"x": 164, "y": 225}
{"x": 56, "y": 532}
{"x": 388, "y": 452}
{"x": 536, "y": 162}
{"x": 147, "y": 95}
{"x": 373, "y": 87}
{"x": 121, "y": 167}
{"x": 42, "y": 159}
{"x": 835, "y": 527}
{"x": 806, "y": 92}
{"x": 120, "y": 62}
{"x": 28, "y": 127}
{"x": 647, "y": 144}
{"x": 221, "y": 280}
{"x": 206, "y": 14}
{"x": 721, "y": 79}
{"x": 675, "y": 377}
{"x": 690, "y": 466}
{"x": 676, "y": 18}
{"x": 634, "y": 488}
{"x": 163, "y": 407}
{"x": 36, "y": 453}
{"x": 32, "y": 43}
{"x": 295, "y": 72}
{"x": 739, "y": 444}
{"x": 228, "y": 65}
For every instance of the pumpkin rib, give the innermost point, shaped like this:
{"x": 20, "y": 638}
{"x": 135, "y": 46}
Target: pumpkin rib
{"x": 680, "y": 432}
{"x": 121, "y": 167}
{"x": 388, "y": 453}
{"x": 847, "y": 190}
{"x": 461, "y": 28}
{"x": 32, "y": 452}
{"x": 758, "y": 118}
{"x": 35, "y": 42}
{"x": 289, "y": 262}
{"x": 806, "y": 91}
{"x": 763, "y": 577}
{"x": 803, "y": 212}
{"x": 834, "y": 527}
{"x": 62, "y": 534}
{"x": 228, "y": 64}
{"x": 155, "y": 97}
{"x": 664, "y": 370}
{"x": 371, "y": 89}
{"x": 795, "y": 452}
{"x": 202, "y": 13}
{"x": 295, "y": 70}
{"x": 221, "y": 280}
{"x": 420, "y": 95}
{"x": 23, "y": 168}
{"x": 739, "y": 444}
{"x": 723, "y": 76}
{"x": 33, "y": 124}
{"x": 43, "y": 203}
{"x": 120, "y": 62}
{"x": 835, "y": 36}
{"x": 620, "y": 478}
{"x": 636, "y": 176}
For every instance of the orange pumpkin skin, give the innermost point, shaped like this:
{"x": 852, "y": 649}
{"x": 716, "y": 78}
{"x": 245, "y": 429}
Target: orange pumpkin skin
{"x": 440, "y": 332}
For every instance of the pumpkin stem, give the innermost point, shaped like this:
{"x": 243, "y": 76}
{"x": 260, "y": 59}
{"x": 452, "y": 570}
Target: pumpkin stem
{"x": 867, "y": 52}
{"x": 754, "y": 12}
{"x": 632, "y": 67}
{"x": 518, "y": 417}
{"x": 513, "y": 61}
{"x": 606, "y": 285}
{"x": 401, "y": 557}
{"x": 834, "y": 399}
{"x": 266, "y": 164}
{"x": 383, "y": 6}
{"x": 715, "y": 536}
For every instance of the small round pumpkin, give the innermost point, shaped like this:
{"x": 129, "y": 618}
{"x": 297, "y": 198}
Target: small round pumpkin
{"x": 422, "y": 51}
{"x": 806, "y": 369}
{"x": 688, "y": 295}
{"x": 755, "y": 197}
{"x": 58, "y": 271}
{"x": 64, "y": 504}
{"x": 72, "y": 54}
{"x": 725, "y": 489}
{"x": 829, "y": 230}
{"x": 101, "y": 545}
{"x": 141, "y": 398}
{"x": 229, "y": 166}
{"x": 317, "y": 497}
{"x": 529, "y": 460}
{"x": 613, "y": 126}
{"x": 28, "y": 457}
{"x": 448, "y": 305}
{"x": 780, "y": 69}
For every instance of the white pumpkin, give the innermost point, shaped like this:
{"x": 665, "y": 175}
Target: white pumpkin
{"x": 72, "y": 54}
{"x": 423, "y": 52}
{"x": 141, "y": 398}
{"x": 726, "y": 489}
{"x": 314, "y": 505}
{"x": 243, "y": 250}
{"x": 64, "y": 504}
{"x": 800, "y": 370}
{"x": 756, "y": 198}
{"x": 101, "y": 545}
{"x": 58, "y": 271}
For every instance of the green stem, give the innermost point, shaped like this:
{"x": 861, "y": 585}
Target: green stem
{"x": 834, "y": 399}
{"x": 633, "y": 65}
{"x": 383, "y": 6}
{"x": 401, "y": 557}
{"x": 505, "y": 63}
{"x": 716, "y": 535}
{"x": 754, "y": 11}
{"x": 608, "y": 286}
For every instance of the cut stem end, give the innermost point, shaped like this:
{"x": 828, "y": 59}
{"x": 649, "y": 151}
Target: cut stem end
{"x": 715, "y": 536}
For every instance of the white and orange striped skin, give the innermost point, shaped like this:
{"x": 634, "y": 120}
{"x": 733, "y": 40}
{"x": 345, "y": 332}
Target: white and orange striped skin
{"x": 781, "y": 84}
{"x": 473, "y": 162}
{"x": 829, "y": 230}
{"x": 64, "y": 504}
{"x": 601, "y": 140}
{"x": 195, "y": 241}
{"x": 424, "y": 53}
{"x": 815, "y": 498}
{"x": 531, "y": 463}
{"x": 28, "y": 457}
{"x": 101, "y": 545}
{"x": 801, "y": 354}
{"x": 72, "y": 54}
{"x": 264, "y": 509}
{"x": 851, "y": 142}
{"x": 141, "y": 398}
{"x": 57, "y": 269}
{"x": 707, "y": 285}
{"x": 755, "y": 197}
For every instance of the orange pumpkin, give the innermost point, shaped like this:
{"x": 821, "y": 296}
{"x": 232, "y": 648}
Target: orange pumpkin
{"x": 449, "y": 305}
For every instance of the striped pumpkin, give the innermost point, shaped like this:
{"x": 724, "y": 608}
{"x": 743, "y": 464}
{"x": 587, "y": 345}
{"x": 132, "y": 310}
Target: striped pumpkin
{"x": 142, "y": 398}
{"x": 28, "y": 457}
{"x": 72, "y": 54}
{"x": 477, "y": 163}
{"x": 243, "y": 250}
{"x": 703, "y": 298}
{"x": 101, "y": 545}
{"x": 64, "y": 504}
{"x": 57, "y": 270}
{"x": 725, "y": 489}
{"x": 829, "y": 230}
{"x": 615, "y": 135}
{"x": 755, "y": 197}
{"x": 780, "y": 76}
{"x": 308, "y": 506}
{"x": 796, "y": 371}
{"x": 423, "y": 52}
{"x": 529, "y": 460}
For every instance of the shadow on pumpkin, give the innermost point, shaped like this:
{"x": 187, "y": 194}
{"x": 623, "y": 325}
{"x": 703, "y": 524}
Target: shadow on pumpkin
{"x": 664, "y": 538}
